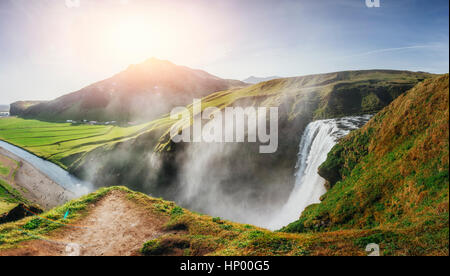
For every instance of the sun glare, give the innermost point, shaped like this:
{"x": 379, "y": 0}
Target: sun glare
{"x": 133, "y": 39}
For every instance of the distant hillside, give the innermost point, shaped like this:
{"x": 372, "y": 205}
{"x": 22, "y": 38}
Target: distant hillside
{"x": 142, "y": 91}
{"x": 392, "y": 174}
{"x": 255, "y": 80}
{"x": 19, "y": 108}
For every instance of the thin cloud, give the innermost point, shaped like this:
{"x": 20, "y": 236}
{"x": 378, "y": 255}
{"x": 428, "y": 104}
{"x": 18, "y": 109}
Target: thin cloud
{"x": 389, "y": 50}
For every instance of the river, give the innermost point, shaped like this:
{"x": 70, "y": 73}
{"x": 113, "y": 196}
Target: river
{"x": 51, "y": 170}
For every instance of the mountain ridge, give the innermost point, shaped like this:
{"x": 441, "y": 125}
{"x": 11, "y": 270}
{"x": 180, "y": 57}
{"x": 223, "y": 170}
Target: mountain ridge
{"x": 255, "y": 80}
{"x": 141, "y": 92}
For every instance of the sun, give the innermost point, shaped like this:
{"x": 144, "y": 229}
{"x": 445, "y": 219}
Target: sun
{"x": 133, "y": 39}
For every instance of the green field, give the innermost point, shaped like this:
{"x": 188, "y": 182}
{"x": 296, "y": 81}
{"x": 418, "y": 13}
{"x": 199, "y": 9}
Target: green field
{"x": 55, "y": 141}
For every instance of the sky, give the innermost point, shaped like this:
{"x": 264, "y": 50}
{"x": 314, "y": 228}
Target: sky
{"x": 49, "y": 48}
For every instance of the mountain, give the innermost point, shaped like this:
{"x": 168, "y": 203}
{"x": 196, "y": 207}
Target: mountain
{"x": 255, "y": 80}
{"x": 142, "y": 91}
{"x": 392, "y": 175}
{"x": 18, "y": 108}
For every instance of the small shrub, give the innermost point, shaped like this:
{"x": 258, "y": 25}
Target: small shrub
{"x": 165, "y": 245}
{"x": 32, "y": 224}
{"x": 177, "y": 226}
{"x": 177, "y": 211}
{"x": 226, "y": 227}
{"x": 152, "y": 248}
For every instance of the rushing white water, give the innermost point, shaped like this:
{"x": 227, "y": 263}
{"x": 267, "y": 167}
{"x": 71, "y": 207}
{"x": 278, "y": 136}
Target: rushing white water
{"x": 317, "y": 140}
{"x": 52, "y": 171}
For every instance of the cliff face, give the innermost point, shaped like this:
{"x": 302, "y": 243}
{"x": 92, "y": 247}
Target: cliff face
{"x": 237, "y": 171}
{"x": 392, "y": 173}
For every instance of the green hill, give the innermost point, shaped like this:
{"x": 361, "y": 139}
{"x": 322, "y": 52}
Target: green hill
{"x": 392, "y": 174}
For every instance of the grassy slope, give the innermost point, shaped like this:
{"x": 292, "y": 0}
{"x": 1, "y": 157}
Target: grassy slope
{"x": 199, "y": 234}
{"x": 7, "y": 201}
{"x": 392, "y": 174}
{"x": 32, "y": 228}
{"x": 9, "y": 197}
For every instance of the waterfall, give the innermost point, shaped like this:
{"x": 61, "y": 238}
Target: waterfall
{"x": 317, "y": 140}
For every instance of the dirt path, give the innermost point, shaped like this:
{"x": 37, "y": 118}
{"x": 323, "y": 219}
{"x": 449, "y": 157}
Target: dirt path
{"x": 37, "y": 187}
{"x": 115, "y": 227}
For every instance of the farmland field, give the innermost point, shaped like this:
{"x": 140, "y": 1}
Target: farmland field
{"x": 55, "y": 141}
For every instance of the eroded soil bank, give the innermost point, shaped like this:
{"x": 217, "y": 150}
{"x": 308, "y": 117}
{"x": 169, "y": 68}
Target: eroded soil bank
{"x": 36, "y": 186}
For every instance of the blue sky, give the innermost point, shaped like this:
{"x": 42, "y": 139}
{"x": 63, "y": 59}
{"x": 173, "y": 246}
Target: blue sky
{"x": 48, "y": 49}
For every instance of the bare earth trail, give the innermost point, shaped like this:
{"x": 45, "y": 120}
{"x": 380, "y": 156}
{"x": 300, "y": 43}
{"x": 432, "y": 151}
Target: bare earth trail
{"x": 114, "y": 226}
